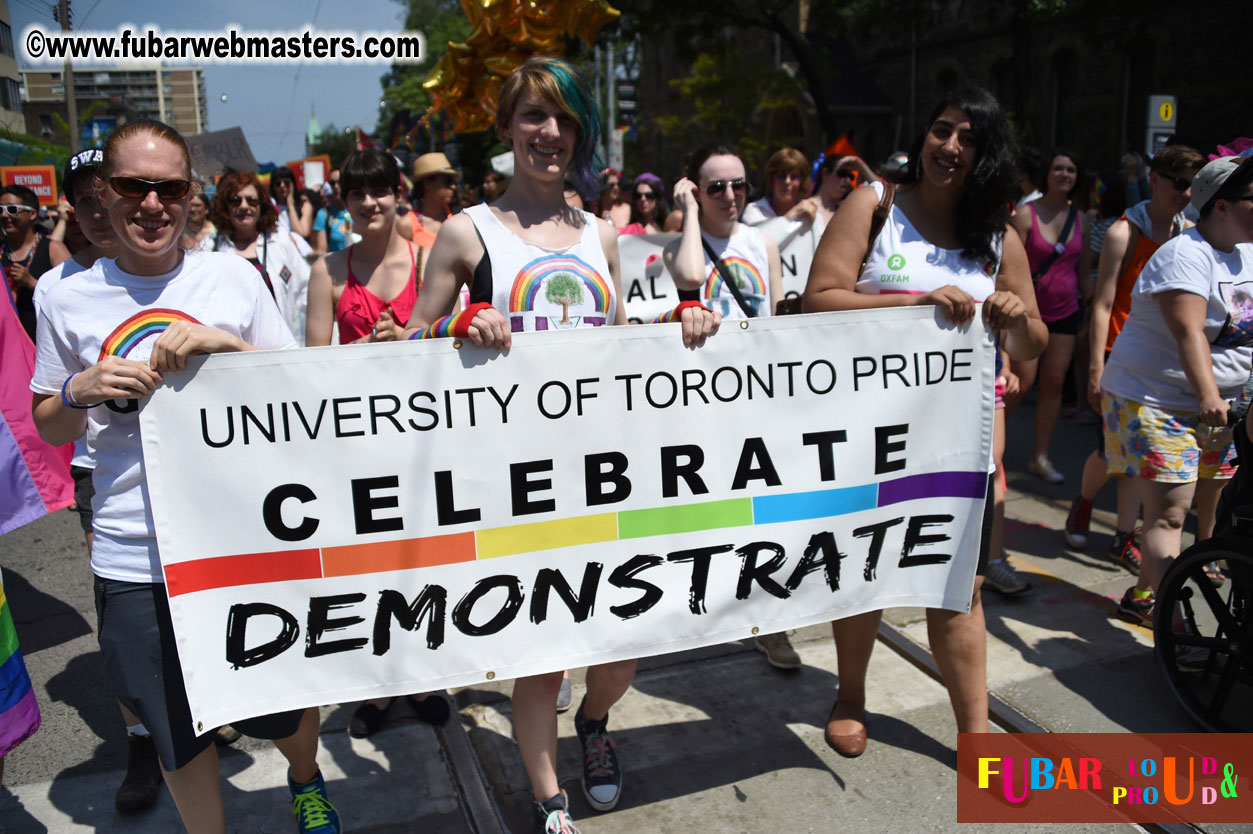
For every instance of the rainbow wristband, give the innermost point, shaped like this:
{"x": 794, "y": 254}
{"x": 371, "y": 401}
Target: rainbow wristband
{"x": 457, "y": 326}
{"x": 65, "y": 387}
{"x": 677, "y": 313}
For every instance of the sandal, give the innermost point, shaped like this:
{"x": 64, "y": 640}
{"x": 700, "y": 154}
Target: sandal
{"x": 1214, "y": 574}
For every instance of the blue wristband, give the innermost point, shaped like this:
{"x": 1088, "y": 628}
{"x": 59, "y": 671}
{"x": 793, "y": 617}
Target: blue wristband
{"x": 64, "y": 399}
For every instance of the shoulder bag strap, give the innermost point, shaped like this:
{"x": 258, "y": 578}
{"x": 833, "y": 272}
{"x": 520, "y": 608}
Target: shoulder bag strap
{"x": 878, "y": 218}
{"x": 728, "y": 278}
{"x": 1059, "y": 247}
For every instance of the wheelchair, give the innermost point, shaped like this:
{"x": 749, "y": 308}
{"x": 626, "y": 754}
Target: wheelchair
{"x": 1208, "y": 657}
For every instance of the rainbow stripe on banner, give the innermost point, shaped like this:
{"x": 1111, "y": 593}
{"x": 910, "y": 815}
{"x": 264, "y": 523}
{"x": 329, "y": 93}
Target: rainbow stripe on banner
{"x": 138, "y": 327}
{"x": 378, "y": 557}
{"x": 19, "y": 712}
{"x": 532, "y": 276}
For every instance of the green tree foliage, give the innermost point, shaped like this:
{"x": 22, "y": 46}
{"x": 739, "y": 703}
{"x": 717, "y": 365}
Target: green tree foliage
{"x": 441, "y": 21}
{"x": 721, "y": 106}
{"x": 335, "y": 142}
{"x": 564, "y": 289}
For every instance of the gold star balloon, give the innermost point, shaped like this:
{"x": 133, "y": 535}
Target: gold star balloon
{"x": 466, "y": 83}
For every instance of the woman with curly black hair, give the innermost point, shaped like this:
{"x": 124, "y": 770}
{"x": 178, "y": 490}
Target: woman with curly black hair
{"x": 944, "y": 243}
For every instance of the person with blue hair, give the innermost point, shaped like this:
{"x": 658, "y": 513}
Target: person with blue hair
{"x": 548, "y": 117}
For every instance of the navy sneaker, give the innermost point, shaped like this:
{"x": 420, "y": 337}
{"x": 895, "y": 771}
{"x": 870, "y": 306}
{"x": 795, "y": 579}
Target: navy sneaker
{"x": 314, "y": 812}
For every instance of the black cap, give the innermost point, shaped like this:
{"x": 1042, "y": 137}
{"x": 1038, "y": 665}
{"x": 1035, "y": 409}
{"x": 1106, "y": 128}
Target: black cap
{"x": 80, "y": 164}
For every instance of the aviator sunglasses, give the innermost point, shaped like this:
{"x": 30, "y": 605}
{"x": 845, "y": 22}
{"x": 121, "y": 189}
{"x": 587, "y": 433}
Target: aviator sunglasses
{"x": 237, "y": 200}
{"x": 134, "y": 188}
{"x": 1180, "y": 183}
{"x": 13, "y": 210}
{"x": 716, "y": 187}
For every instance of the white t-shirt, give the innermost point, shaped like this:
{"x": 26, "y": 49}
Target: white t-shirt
{"x": 289, "y": 275}
{"x": 82, "y": 447}
{"x": 747, "y": 260}
{"x": 1144, "y": 365}
{"x": 107, "y": 311}
{"x": 758, "y": 211}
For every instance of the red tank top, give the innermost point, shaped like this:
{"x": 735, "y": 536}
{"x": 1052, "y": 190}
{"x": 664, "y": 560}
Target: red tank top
{"x": 358, "y": 308}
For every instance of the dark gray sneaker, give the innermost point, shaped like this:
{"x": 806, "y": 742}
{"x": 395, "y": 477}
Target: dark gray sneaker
{"x": 602, "y": 777}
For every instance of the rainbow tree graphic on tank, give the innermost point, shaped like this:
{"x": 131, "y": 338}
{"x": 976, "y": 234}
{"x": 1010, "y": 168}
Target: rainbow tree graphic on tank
{"x": 555, "y": 292}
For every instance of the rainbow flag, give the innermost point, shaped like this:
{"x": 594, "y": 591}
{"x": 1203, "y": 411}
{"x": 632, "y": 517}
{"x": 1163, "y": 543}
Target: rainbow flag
{"x": 19, "y": 713}
{"x": 34, "y": 477}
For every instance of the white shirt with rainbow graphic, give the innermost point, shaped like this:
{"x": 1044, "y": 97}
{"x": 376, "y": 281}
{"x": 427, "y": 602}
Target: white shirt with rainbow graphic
{"x": 105, "y": 311}
{"x": 744, "y": 256}
{"x": 544, "y": 289}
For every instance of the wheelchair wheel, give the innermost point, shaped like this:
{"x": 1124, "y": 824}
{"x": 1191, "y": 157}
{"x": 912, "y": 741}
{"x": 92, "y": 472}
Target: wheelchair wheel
{"x": 1208, "y": 660}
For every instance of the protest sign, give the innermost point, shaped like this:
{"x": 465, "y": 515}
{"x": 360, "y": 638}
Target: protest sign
{"x": 648, "y": 290}
{"x": 216, "y": 152}
{"x": 351, "y": 522}
{"x": 42, "y": 179}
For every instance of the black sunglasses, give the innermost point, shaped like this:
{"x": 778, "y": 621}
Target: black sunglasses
{"x": 238, "y": 201}
{"x": 644, "y": 195}
{"x": 134, "y": 188}
{"x": 716, "y": 187}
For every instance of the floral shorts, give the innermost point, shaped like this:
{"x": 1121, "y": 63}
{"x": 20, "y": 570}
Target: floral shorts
{"x": 1144, "y": 442}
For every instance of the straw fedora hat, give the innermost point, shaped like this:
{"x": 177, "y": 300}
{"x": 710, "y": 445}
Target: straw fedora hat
{"x": 430, "y": 164}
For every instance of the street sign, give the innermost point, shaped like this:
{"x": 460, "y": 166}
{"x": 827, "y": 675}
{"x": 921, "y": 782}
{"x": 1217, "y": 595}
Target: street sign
{"x": 1162, "y": 116}
{"x": 1162, "y": 111}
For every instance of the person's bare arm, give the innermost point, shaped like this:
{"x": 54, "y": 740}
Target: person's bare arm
{"x": 1113, "y": 250}
{"x": 110, "y": 378}
{"x": 320, "y": 317}
{"x": 1012, "y": 308}
{"x": 685, "y": 258}
{"x": 1184, "y": 313}
{"x": 57, "y": 252}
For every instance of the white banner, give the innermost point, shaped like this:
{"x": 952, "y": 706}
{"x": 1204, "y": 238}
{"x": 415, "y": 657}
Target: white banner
{"x": 649, "y": 291}
{"x": 352, "y": 522}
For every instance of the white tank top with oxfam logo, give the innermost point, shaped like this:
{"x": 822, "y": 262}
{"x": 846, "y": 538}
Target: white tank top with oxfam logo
{"x": 903, "y": 261}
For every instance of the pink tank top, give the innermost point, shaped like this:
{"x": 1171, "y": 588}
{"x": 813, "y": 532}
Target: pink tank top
{"x": 358, "y": 308}
{"x": 1057, "y": 290}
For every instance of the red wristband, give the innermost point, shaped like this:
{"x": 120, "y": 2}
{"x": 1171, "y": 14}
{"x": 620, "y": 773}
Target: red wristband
{"x": 461, "y": 324}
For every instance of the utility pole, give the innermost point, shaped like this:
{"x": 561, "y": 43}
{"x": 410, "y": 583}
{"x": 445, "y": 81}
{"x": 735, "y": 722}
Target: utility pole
{"x": 71, "y": 102}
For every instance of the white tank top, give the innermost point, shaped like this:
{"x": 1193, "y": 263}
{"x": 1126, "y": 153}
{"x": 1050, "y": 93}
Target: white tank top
{"x": 903, "y": 261}
{"x": 543, "y": 289}
{"x": 744, "y": 255}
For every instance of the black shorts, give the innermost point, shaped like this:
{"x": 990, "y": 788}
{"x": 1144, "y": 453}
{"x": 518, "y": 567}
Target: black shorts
{"x": 84, "y": 491}
{"x": 1069, "y": 326}
{"x": 985, "y": 541}
{"x": 141, "y": 661}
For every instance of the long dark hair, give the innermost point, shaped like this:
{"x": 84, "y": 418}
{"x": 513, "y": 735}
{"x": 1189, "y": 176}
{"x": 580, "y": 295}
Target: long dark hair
{"x": 983, "y": 210}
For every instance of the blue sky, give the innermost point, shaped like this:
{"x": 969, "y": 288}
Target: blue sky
{"x": 270, "y": 102}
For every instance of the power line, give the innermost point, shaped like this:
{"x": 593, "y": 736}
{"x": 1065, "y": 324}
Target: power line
{"x": 296, "y": 80}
